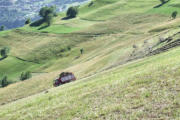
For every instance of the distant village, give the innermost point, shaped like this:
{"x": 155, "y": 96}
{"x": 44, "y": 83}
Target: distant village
{"x": 14, "y": 12}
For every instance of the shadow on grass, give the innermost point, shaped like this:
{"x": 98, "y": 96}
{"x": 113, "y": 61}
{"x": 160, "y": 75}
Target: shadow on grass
{"x": 36, "y": 62}
{"x": 43, "y": 27}
{"x": 37, "y": 23}
{"x": 161, "y": 4}
{"x": 67, "y": 18}
{"x": 3, "y": 58}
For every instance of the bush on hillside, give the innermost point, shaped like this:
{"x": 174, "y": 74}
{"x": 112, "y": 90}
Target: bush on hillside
{"x": 47, "y": 14}
{"x": 45, "y": 11}
{"x": 28, "y": 21}
{"x": 82, "y": 50}
{"x": 174, "y": 14}
{"x": 49, "y": 19}
{"x": 4, "y": 52}
{"x": 69, "y": 48}
{"x": 25, "y": 76}
{"x": 4, "y": 81}
{"x": 2, "y": 28}
{"x": 72, "y": 12}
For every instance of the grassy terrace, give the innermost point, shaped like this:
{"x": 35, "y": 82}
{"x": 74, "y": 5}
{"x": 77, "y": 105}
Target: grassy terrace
{"x": 147, "y": 88}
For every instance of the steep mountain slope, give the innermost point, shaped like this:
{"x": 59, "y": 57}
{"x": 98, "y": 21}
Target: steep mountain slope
{"x": 15, "y": 12}
{"x": 109, "y": 86}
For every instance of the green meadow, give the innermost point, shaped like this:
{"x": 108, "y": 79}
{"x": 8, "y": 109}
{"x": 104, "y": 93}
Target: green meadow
{"x": 116, "y": 78}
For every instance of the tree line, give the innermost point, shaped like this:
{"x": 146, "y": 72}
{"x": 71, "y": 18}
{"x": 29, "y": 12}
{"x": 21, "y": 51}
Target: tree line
{"x": 48, "y": 13}
{"x": 24, "y": 76}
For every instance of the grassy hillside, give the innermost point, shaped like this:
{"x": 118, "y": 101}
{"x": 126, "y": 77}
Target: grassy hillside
{"x": 146, "y": 89}
{"x": 112, "y": 82}
{"x": 31, "y": 44}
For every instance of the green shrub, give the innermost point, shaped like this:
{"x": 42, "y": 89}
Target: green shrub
{"x": 28, "y": 21}
{"x": 49, "y": 19}
{"x": 47, "y": 14}
{"x": 63, "y": 50}
{"x": 2, "y": 28}
{"x": 174, "y": 14}
{"x": 69, "y": 48}
{"x": 4, "y": 52}
{"x": 25, "y": 76}
{"x": 45, "y": 11}
{"x": 4, "y": 81}
{"x": 82, "y": 50}
{"x": 72, "y": 12}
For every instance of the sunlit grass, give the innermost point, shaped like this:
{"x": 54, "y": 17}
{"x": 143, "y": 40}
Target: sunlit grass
{"x": 147, "y": 88}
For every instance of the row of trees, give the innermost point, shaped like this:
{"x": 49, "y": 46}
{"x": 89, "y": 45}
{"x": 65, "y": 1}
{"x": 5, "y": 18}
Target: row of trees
{"x": 24, "y": 76}
{"x": 48, "y": 13}
{"x": 28, "y": 21}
